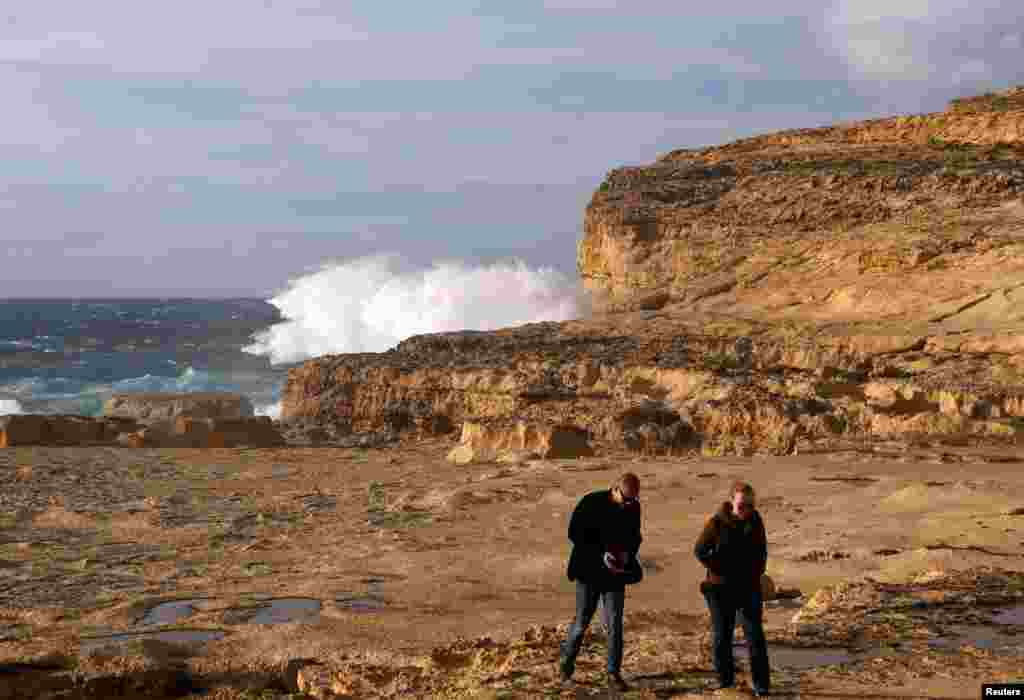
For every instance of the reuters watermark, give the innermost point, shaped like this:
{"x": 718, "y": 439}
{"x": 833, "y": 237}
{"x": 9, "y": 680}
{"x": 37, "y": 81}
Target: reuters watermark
{"x": 1002, "y": 690}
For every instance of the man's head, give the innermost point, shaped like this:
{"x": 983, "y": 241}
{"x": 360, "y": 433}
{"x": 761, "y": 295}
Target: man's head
{"x": 626, "y": 491}
{"x": 742, "y": 500}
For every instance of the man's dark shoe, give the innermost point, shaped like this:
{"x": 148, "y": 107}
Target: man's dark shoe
{"x": 760, "y": 693}
{"x": 565, "y": 669}
{"x": 615, "y": 681}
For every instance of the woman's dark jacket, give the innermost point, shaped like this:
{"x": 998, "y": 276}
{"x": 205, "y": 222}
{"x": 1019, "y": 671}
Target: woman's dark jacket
{"x": 734, "y": 551}
{"x": 599, "y": 525}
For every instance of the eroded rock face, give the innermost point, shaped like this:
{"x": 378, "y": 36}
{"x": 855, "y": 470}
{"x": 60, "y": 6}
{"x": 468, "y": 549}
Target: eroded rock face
{"x": 258, "y": 431}
{"x": 81, "y": 431}
{"x": 511, "y": 442}
{"x": 796, "y": 289}
{"x": 885, "y": 218}
{"x": 62, "y": 430}
{"x": 155, "y": 407}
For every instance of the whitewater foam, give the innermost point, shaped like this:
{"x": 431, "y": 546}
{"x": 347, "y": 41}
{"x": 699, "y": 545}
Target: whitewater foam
{"x": 273, "y": 410}
{"x": 9, "y": 407}
{"x": 371, "y": 304}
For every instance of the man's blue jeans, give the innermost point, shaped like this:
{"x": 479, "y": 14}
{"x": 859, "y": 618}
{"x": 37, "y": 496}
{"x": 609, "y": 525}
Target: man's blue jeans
{"x": 612, "y": 605}
{"x": 723, "y": 602}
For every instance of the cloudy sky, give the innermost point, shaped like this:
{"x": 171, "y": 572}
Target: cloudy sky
{"x": 221, "y": 148}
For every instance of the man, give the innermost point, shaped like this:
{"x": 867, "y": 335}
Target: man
{"x": 605, "y": 532}
{"x": 734, "y": 548}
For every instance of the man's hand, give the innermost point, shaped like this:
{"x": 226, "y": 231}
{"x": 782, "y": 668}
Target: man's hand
{"x": 614, "y": 564}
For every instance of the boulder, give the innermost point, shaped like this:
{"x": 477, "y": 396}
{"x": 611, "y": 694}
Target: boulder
{"x": 468, "y": 454}
{"x": 156, "y": 407}
{"x": 767, "y": 587}
{"x": 258, "y": 431}
{"x": 547, "y": 441}
{"x": 183, "y": 431}
{"x": 60, "y": 430}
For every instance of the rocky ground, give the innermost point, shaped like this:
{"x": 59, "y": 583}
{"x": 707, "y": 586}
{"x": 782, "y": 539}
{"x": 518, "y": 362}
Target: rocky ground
{"x": 405, "y": 575}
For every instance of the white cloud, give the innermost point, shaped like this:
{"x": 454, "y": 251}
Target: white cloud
{"x": 938, "y": 44}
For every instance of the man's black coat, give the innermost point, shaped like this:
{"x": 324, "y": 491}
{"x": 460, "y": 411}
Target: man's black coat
{"x": 599, "y": 525}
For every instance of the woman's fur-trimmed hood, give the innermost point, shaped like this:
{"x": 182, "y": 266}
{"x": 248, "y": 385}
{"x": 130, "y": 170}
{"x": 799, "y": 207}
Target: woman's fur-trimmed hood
{"x": 729, "y": 518}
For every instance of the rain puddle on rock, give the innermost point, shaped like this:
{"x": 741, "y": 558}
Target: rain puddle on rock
{"x": 800, "y": 658}
{"x": 365, "y": 603}
{"x": 170, "y": 612}
{"x": 370, "y": 601}
{"x": 179, "y": 637}
{"x": 1009, "y": 616}
{"x": 979, "y": 636}
{"x": 275, "y": 612}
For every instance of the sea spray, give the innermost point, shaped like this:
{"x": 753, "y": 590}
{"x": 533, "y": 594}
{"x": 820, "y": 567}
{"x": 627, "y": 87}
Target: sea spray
{"x": 9, "y": 407}
{"x": 371, "y": 304}
{"x": 272, "y": 410}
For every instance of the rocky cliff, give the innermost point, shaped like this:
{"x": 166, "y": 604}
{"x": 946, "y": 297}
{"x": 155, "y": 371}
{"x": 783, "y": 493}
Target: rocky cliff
{"x": 794, "y": 289}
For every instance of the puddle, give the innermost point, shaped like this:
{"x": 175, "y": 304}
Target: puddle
{"x": 371, "y": 601}
{"x": 170, "y": 612}
{"x": 980, "y": 636}
{"x": 275, "y": 612}
{"x": 367, "y": 603}
{"x": 1010, "y": 616}
{"x": 799, "y": 658}
{"x": 179, "y": 637}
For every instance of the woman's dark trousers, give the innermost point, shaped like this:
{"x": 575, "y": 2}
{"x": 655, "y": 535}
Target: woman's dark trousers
{"x": 723, "y": 603}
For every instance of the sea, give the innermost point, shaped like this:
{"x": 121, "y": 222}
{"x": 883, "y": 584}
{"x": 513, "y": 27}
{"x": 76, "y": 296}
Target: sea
{"x": 69, "y": 356}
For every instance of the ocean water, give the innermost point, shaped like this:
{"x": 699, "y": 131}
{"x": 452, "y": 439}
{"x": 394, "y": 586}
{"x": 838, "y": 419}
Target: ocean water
{"x": 69, "y": 356}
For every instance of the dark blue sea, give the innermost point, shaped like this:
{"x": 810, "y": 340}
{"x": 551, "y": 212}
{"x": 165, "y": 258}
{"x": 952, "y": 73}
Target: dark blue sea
{"x": 69, "y": 356}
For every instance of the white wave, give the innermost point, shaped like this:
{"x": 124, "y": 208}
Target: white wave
{"x": 190, "y": 379}
{"x": 273, "y": 410}
{"x": 371, "y": 304}
{"x": 9, "y": 407}
{"x": 28, "y": 386}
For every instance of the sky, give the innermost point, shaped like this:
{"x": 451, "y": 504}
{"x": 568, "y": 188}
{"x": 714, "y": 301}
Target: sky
{"x": 223, "y": 148}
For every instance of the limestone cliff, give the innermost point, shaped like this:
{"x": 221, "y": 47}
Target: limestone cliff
{"x": 801, "y": 288}
{"x": 899, "y": 218}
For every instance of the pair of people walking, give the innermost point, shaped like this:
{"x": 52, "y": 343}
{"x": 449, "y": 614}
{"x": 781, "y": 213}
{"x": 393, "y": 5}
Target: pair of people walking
{"x": 605, "y": 532}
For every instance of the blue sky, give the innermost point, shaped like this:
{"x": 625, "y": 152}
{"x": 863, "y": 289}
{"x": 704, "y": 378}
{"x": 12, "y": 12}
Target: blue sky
{"x": 197, "y": 148}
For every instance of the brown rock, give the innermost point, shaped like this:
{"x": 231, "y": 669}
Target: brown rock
{"x": 517, "y": 457}
{"x": 257, "y": 431}
{"x": 549, "y": 442}
{"x": 59, "y": 430}
{"x": 467, "y": 454}
{"x": 809, "y": 287}
{"x": 155, "y": 407}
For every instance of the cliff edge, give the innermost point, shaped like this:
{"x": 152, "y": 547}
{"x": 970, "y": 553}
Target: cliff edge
{"x": 797, "y": 289}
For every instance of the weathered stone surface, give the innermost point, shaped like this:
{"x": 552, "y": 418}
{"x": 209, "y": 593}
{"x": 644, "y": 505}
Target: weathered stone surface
{"x": 467, "y": 454}
{"x": 60, "y": 430}
{"x": 796, "y": 289}
{"x": 552, "y": 442}
{"x": 256, "y": 431}
{"x": 517, "y": 456}
{"x": 155, "y": 407}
